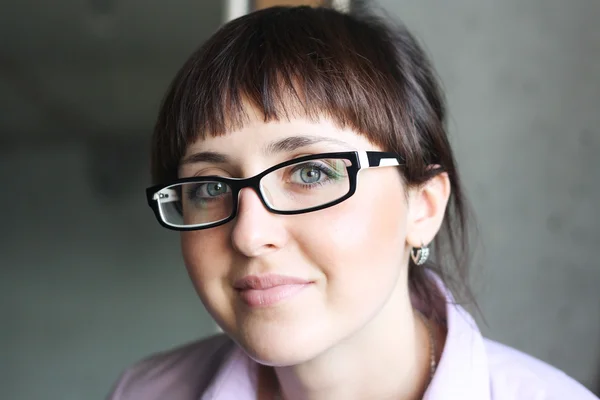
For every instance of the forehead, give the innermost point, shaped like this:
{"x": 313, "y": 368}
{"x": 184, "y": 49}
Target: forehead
{"x": 276, "y": 139}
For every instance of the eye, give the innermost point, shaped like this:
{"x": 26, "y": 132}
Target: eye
{"x": 310, "y": 174}
{"x": 207, "y": 191}
{"x": 317, "y": 172}
{"x": 214, "y": 189}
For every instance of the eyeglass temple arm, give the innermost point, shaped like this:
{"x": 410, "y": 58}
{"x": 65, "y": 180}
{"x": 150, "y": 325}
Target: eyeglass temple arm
{"x": 378, "y": 159}
{"x": 166, "y": 196}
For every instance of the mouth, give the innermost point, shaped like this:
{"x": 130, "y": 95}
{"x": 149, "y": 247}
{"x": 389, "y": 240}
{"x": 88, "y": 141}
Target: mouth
{"x": 268, "y": 290}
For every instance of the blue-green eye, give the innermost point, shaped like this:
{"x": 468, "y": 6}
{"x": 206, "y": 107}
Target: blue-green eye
{"x": 316, "y": 173}
{"x": 310, "y": 174}
{"x": 207, "y": 191}
{"x": 216, "y": 188}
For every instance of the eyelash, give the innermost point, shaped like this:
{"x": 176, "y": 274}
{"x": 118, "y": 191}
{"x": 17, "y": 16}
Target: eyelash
{"x": 318, "y": 166}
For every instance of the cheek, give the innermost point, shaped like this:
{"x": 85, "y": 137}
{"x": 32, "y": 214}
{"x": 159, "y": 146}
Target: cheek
{"x": 207, "y": 261}
{"x": 369, "y": 230}
{"x": 198, "y": 249}
{"x": 362, "y": 240}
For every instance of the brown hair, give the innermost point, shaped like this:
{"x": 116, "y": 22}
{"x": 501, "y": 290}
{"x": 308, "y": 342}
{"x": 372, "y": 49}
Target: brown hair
{"x": 359, "y": 71}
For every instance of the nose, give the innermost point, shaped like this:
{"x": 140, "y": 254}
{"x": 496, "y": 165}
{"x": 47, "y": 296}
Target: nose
{"x": 256, "y": 231}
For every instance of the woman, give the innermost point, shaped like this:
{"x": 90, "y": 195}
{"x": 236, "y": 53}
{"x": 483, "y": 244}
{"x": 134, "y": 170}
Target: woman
{"x": 303, "y": 155}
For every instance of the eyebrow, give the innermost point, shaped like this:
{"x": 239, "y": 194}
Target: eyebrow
{"x": 206, "y": 156}
{"x": 280, "y": 146}
{"x": 296, "y": 142}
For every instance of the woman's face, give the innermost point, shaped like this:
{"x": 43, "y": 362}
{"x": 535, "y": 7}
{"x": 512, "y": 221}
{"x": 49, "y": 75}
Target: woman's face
{"x": 351, "y": 256}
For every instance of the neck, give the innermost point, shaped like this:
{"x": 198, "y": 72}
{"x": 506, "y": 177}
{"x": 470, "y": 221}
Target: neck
{"x": 389, "y": 358}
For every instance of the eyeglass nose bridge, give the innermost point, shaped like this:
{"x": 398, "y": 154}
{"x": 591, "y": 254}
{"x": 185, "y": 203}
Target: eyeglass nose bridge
{"x": 252, "y": 183}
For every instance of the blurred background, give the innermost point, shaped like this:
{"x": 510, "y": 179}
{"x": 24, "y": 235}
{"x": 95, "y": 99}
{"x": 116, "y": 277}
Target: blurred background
{"x": 90, "y": 283}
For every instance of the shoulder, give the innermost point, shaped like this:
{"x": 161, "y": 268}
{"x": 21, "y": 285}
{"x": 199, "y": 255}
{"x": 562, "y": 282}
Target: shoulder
{"x": 517, "y": 376}
{"x": 178, "y": 374}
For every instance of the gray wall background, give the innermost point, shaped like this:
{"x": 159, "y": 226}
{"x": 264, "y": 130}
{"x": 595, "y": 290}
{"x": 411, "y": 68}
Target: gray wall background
{"x": 523, "y": 84}
{"x": 90, "y": 283}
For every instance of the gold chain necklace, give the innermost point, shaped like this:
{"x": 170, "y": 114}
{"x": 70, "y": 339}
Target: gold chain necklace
{"x": 432, "y": 346}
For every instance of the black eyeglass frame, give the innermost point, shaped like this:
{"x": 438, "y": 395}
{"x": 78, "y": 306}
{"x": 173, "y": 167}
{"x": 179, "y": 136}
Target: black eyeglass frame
{"x": 358, "y": 159}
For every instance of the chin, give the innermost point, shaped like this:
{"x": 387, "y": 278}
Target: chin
{"x": 281, "y": 346}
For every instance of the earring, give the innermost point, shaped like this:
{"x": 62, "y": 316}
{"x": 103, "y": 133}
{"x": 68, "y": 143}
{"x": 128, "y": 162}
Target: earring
{"x": 419, "y": 256}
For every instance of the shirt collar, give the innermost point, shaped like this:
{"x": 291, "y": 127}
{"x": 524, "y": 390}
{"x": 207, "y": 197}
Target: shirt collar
{"x": 462, "y": 372}
{"x": 236, "y": 379}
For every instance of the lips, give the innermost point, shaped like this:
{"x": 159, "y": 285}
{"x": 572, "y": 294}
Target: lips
{"x": 268, "y": 290}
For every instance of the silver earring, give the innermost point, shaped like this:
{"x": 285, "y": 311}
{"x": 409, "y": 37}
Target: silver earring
{"x": 420, "y": 255}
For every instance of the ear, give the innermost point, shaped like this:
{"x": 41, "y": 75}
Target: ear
{"x": 426, "y": 208}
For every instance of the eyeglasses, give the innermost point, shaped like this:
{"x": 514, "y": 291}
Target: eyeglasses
{"x": 297, "y": 186}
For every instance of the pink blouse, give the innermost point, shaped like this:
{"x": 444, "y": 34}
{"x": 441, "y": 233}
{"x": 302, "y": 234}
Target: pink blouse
{"x": 471, "y": 368}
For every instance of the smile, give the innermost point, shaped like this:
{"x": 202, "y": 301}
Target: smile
{"x": 269, "y": 290}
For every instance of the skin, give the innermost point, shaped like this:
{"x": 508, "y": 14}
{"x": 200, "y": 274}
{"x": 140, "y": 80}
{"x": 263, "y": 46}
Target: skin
{"x": 352, "y": 333}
